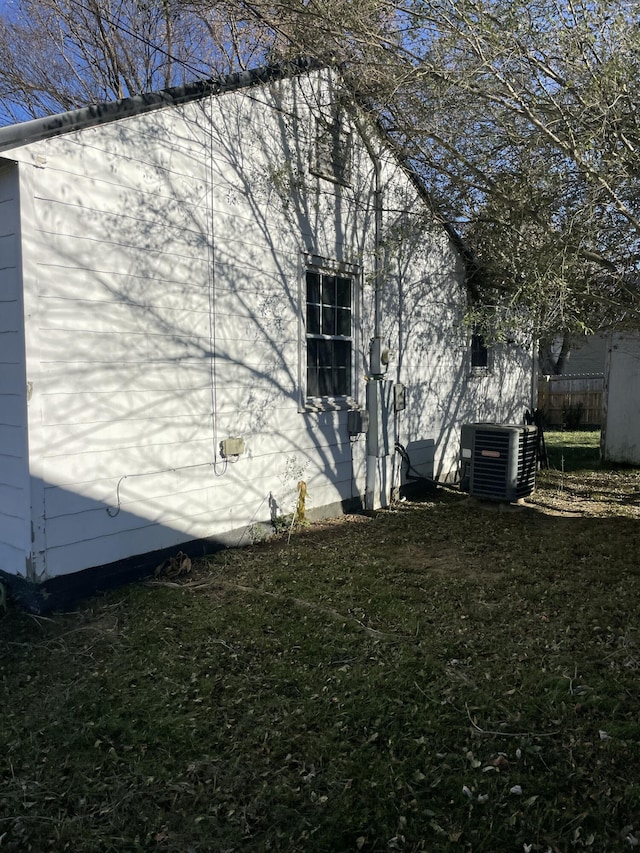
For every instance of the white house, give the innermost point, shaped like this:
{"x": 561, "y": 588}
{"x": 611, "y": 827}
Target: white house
{"x": 204, "y": 295}
{"x": 620, "y": 439}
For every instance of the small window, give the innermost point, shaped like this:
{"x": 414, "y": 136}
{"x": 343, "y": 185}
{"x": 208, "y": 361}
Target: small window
{"x": 479, "y": 353}
{"x": 329, "y": 334}
{"x": 332, "y": 152}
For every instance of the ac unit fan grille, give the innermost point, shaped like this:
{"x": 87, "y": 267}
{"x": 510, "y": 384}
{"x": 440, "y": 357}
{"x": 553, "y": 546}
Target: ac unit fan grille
{"x": 491, "y": 463}
{"x": 527, "y": 463}
{"x": 502, "y": 460}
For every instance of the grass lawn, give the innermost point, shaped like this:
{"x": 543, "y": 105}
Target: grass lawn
{"x": 444, "y": 676}
{"x": 573, "y": 451}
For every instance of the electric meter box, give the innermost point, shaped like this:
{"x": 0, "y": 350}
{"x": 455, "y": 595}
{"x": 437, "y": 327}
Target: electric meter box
{"x": 231, "y": 447}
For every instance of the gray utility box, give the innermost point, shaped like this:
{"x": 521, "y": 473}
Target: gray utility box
{"x": 357, "y": 421}
{"x": 498, "y": 461}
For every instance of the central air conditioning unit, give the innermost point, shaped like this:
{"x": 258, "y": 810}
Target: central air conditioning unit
{"x": 499, "y": 461}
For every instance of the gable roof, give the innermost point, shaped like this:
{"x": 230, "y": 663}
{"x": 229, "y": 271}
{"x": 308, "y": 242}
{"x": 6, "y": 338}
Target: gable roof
{"x": 23, "y": 133}
{"x": 15, "y": 135}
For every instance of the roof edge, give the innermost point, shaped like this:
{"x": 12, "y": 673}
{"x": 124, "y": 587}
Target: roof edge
{"x": 16, "y": 135}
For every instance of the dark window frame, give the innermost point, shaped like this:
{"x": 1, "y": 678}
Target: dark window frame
{"x": 480, "y": 353}
{"x": 329, "y": 298}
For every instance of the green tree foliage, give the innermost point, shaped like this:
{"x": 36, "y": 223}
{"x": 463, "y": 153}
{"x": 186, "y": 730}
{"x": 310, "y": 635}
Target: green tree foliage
{"x": 520, "y": 116}
{"x": 522, "y": 119}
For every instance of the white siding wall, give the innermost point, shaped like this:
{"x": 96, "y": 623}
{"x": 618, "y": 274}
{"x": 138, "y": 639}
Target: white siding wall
{"x": 158, "y": 242}
{"x": 14, "y": 482}
{"x": 164, "y": 316}
{"x": 621, "y": 429}
{"x": 424, "y": 307}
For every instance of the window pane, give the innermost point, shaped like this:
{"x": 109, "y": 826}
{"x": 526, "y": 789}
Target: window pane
{"x": 313, "y": 389}
{"x": 342, "y": 364}
{"x": 479, "y": 352}
{"x": 343, "y": 322}
{"x": 325, "y": 353}
{"x": 312, "y": 352}
{"x": 329, "y": 289}
{"x": 313, "y": 319}
{"x": 325, "y": 382}
{"x": 313, "y": 287}
{"x": 343, "y": 292}
{"x": 341, "y": 353}
{"x": 341, "y": 383}
{"x": 328, "y": 320}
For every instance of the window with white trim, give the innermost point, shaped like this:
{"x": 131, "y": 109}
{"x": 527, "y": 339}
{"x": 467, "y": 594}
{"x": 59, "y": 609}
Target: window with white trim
{"x": 479, "y": 353}
{"x": 329, "y": 333}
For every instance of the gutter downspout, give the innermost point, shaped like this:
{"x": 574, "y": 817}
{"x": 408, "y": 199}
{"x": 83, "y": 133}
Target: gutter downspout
{"x": 534, "y": 376}
{"x": 377, "y": 265}
{"x": 375, "y": 376}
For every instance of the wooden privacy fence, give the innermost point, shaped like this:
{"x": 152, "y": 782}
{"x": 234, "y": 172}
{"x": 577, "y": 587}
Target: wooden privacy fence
{"x": 571, "y": 401}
